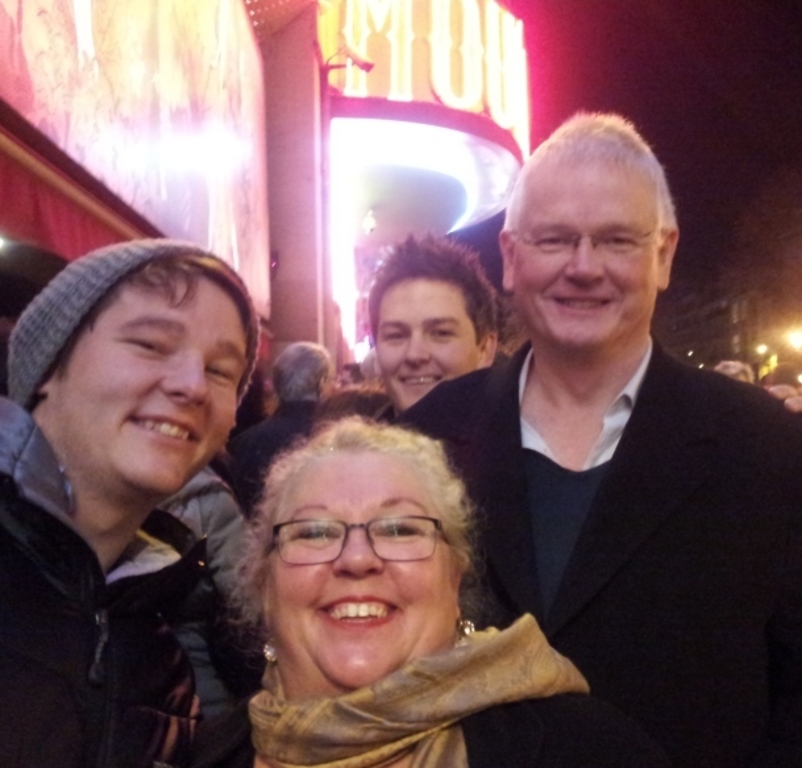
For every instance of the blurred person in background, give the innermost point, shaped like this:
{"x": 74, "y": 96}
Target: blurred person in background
{"x": 302, "y": 375}
{"x": 366, "y": 399}
{"x": 784, "y": 384}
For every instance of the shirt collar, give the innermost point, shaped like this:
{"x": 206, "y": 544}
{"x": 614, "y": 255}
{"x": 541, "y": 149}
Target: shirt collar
{"x": 615, "y": 419}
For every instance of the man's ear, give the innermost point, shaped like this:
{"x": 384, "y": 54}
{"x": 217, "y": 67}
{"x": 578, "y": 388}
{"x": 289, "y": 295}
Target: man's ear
{"x": 665, "y": 257}
{"x": 487, "y": 350}
{"x": 506, "y": 241}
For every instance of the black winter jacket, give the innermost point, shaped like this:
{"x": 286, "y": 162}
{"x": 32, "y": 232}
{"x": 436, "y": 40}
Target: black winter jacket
{"x": 90, "y": 673}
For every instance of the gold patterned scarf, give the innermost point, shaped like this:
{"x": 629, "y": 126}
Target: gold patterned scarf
{"x": 413, "y": 710}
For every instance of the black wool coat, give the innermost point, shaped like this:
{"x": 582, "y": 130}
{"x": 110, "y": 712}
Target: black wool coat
{"x": 682, "y": 600}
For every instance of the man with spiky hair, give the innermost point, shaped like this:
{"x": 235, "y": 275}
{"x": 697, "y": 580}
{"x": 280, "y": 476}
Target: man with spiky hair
{"x": 432, "y": 316}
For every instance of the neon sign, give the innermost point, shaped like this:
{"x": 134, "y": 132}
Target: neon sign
{"x": 466, "y": 54}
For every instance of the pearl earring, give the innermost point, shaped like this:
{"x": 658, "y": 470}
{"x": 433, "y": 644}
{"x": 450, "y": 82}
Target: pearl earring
{"x": 270, "y": 653}
{"x": 465, "y": 629}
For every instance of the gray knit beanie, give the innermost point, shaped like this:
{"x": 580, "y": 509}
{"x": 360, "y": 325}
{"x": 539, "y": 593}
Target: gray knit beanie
{"x": 48, "y": 323}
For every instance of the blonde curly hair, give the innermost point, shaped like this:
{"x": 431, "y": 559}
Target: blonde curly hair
{"x": 354, "y": 435}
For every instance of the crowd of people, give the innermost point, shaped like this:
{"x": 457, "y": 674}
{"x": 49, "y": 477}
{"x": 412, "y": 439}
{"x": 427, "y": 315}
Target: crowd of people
{"x": 582, "y": 553}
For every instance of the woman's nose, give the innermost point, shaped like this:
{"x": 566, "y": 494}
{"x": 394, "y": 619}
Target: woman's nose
{"x": 357, "y": 556}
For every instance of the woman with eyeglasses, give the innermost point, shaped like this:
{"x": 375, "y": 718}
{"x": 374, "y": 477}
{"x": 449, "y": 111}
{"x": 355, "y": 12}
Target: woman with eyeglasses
{"x": 360, "y": 552}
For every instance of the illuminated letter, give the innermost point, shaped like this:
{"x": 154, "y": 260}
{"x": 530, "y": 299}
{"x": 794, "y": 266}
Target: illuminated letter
{"x": 470, "y": 54}
{"x": 507, "y": 80}
{"x": 367, "y": 17}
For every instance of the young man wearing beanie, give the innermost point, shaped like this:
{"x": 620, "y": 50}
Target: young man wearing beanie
{"x": 124, "y": 377}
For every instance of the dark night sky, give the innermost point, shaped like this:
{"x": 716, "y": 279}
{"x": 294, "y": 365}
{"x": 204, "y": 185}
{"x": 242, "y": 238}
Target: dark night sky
{"x": 714, "y": 85}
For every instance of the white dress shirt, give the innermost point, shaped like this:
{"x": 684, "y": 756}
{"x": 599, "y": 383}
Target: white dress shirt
{"x": 615, "y": 419}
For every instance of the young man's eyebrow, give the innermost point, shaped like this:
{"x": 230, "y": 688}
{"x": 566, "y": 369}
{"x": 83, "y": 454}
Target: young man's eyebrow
{"x": 441, "y": 321}
{"x": 393, "y": 324}
{"x": 153, "y": 322}
{"x": 177, "y": 328}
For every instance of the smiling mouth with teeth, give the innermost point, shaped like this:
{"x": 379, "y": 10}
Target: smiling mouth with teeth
{"x": 358, "y": 611}
{"x": 582, "y": 303}
{"x": 163, "y": 428}
{"x": 420, "y": 380}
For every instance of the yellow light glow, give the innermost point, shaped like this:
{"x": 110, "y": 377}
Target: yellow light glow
{"x": 358, "y": 143}
{"x": 507, "y": 73}
{"x": 761, "y": 349}
{"x": 484, "y": 171}
{"x": 391, "y": 19}
{"x": 369, "y": 222}
{"x": 343, "y": 270}
{"x": 470, "y": 53}
{"x": 223, "y": 151}
{"x": 361, "y": 349}
{"x": 466, "y": 54}
{"x": 795, "y": 339}
{"x": 411, "y": 145}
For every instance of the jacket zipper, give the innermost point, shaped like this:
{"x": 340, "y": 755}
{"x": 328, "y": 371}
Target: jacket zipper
{"x": 97, "y": 672}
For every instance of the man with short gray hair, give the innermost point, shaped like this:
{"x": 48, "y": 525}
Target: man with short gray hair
{"x": 648, "y": 513}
